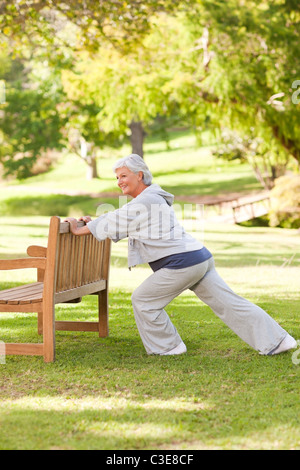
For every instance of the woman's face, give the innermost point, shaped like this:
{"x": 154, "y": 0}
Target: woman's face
{"x": 130, "y": 183}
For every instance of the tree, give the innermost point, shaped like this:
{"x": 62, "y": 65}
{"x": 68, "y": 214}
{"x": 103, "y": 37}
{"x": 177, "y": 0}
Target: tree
{"x": 29, "y": 121}
{"x": 268, "y": 162}
{"x": 250, "y": 60}
{"x": 132, "y": 90}
{"x": 84, "y": 136}
{"x": 122, "y": 22}
{"x": 218, "y": 64}
{"x": 122, "y": 25}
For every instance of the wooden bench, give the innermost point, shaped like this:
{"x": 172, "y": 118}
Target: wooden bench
{"x": 69, "y": 268}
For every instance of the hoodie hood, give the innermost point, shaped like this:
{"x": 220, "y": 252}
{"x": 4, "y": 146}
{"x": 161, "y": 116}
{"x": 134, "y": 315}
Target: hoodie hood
{"x": 155, "y": 189}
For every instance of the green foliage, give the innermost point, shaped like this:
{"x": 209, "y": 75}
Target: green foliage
{"x": 30, "y": 123}
{"x": 285, "y": 202}
{"x": 216, "y": 65}
{"x": 251, "y": 54}
{"x": 125, "y": 88}
{"x": 122, "y": 22}
{"x": 150, "y": 84}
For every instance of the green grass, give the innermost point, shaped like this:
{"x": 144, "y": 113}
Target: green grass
{"x": 107, "y": 393}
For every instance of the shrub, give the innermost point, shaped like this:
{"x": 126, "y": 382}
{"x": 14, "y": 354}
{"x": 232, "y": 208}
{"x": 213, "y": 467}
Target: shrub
{"x": 285, "y": 202}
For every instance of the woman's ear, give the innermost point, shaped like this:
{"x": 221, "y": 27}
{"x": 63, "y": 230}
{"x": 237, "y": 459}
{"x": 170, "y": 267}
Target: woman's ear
{"x": 140, "y": 175}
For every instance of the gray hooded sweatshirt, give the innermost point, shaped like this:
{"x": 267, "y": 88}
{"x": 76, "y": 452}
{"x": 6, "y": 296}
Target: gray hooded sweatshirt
{"x": 150, "y": 224}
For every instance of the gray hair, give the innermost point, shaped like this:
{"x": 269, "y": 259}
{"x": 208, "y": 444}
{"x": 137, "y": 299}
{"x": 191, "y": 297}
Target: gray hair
{"x": 135, "y": 163}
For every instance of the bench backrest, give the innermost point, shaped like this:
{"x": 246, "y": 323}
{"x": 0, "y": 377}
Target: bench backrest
{"x": 72, "y": 260}
{"x": 80, "y": 259}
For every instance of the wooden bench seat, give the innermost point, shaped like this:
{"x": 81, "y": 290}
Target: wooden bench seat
{"x": 70, "y": 268}
{"x": 27, "y": 294}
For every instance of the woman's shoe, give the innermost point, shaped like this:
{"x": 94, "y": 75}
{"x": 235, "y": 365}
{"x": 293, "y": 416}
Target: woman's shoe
{"x": 286, "y": 344}
{"x": 180, "y": 349}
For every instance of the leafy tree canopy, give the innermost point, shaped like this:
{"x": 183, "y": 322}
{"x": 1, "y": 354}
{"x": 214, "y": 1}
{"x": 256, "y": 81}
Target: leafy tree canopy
{"x": 221, "y": 64}
{"x": 122, "y": 21}
{"x": 30, "y": 123}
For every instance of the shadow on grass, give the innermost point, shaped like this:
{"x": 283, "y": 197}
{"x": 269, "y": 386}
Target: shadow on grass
{"x": 109, "y": 425}
{"x": 212, "y": 188}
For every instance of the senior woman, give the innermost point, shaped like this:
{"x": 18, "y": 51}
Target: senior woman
{"x": 179, "y": 262}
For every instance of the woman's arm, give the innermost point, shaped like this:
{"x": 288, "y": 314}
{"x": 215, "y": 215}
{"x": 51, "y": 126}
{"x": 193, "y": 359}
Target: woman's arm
{"x": 73, "y": 227}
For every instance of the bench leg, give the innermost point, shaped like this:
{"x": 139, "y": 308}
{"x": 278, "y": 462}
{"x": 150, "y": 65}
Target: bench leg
{"x": 103, "y": 313}
{"x": 40, "y": 323}
{"x": 49, "y": 333}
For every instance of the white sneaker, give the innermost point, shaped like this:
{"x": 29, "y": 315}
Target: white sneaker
{"x": 288, "y": 343}
{"x": 180, "y": 349}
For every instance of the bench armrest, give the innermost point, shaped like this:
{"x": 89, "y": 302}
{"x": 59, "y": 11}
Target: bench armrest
{"x": 22, "y": 263}
{"x": 37, "y": 251}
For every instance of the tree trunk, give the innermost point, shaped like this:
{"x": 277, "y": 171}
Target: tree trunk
{"x": 90, "y": 159}
{"x": 91, "y": 171}
{"x": 287, "y": 143}
{"x": 137, "y": 137}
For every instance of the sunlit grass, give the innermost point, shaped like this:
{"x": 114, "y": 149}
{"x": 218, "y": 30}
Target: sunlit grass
{"x": 107, "y": 393}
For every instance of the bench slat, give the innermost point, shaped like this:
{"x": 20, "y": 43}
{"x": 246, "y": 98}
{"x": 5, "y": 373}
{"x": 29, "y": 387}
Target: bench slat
{"x": 76, "y": 326}
{"x": 31, "y": 349}
{"x": 29, "y": 293}
{"x": 24, "y": 308}
{"x": 87, "y": 289}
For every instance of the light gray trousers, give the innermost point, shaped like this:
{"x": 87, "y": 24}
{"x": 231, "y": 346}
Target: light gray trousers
{"x": 252, "y": 324}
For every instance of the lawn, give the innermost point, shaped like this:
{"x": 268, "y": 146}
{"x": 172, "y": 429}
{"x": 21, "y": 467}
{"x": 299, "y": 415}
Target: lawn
{"x": 108, "y": 394}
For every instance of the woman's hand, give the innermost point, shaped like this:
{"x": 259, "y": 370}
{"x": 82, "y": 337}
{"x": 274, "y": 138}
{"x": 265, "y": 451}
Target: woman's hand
{"x": 71, "y": 220}
{"x": 74, "y": 229}
{"x": 85, "y": 218}
{"x": 73, "y": 224}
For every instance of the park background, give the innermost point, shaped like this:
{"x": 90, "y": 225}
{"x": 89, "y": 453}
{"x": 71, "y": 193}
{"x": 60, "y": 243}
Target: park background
{"x": 208, "y": 93}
